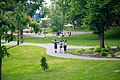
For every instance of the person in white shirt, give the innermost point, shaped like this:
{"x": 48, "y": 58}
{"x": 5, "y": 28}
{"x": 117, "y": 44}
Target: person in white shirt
{"x": 61, "y": 45}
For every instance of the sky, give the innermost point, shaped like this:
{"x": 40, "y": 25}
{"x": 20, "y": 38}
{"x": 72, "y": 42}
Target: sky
{"x": 48, "y": 2}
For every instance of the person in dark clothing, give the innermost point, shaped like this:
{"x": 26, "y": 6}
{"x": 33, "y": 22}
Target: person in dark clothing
{"x": 55, "y": 45}
{"x": 65, "y": 46}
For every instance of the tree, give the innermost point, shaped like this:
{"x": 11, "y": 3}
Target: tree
{"x": 20, "y": 17}
{"x": 36, "y": 27}
{"x": 6, "y": 24}
{"x": 57, "y": 21}
{"x": 44, "y": 64}
{"x": 98, "y": 15}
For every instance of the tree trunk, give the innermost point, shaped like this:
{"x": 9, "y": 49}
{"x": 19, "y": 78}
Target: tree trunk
{"x": 21, "y": 36}
{"x": 0, "y": 68}
{"x": 0, "y": 60}
{"x": 18, "y": 38}
{"x": 102, "y": 40}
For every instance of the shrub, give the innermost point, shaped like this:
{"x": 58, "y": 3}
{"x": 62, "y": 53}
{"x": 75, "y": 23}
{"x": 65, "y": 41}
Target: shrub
{"x": 44, "y": 64}
{"x": 97, "y": 49}
{"x": 105, "y": 49}
{"x": 117, "y": 53}
{"x": 88, "y": 51}
{"x": 72, "y": 51}
{"x": 103, "y": 53}
{"x": 80, "y": 51}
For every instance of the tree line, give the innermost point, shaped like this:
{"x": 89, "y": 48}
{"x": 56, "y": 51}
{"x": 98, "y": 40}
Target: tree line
{"x": 99, "y": 15}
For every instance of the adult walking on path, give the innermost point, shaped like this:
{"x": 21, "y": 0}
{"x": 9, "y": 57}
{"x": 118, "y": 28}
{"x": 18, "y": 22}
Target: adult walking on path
{"x": 49, "y": 51}
{"x": 55, "y": 45}
{"x": 65, "y": 46}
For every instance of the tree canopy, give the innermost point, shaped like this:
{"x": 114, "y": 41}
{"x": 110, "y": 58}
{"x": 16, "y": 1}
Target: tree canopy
{"x": 96, "y": 14}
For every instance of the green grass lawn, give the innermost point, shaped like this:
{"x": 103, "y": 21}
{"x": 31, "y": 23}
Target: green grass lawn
{"x": 24, "y": 64}
{"x": 112, "y": 38}
{"x": 83, "y": 29}
{"x": 46, "y": 30}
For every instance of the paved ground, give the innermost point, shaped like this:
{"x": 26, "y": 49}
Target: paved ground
{"x": 50, "y": 51}
{"x": 50, "y": 34}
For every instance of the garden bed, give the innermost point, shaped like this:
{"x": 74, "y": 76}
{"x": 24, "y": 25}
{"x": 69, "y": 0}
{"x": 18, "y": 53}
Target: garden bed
{"x": 97, "y": 52}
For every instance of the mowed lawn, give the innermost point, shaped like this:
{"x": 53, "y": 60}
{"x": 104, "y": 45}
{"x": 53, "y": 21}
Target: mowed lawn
{"x": 112, "y": 38}
{"x": 24, "y": 64}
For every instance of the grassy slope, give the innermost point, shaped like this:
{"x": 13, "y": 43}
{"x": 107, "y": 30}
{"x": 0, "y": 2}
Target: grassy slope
{"x": 112, "y": 38}
{"x": 24, "y": 64}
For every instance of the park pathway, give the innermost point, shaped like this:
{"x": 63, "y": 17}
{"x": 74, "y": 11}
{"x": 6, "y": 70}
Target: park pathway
{"x": 50, "y": 51}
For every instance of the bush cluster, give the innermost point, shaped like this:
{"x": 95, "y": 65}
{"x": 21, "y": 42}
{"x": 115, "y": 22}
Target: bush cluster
{"x": 105, "y": 52}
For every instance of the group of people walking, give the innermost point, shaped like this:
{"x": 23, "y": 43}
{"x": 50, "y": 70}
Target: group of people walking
{"x": 62, "y": 44}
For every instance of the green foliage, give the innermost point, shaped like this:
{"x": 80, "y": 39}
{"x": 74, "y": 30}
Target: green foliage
{"x": 88, "y": 51}
{"x": 9, "y": 37}
{"x": 20, "y": 16}
{"x": 56, "y": 23}
{"x": 44, "y": 64}
{"x": 80, "y": 51}
{"x": 97, "y": 49}
{"x": 117, "y": 54}
{"x": 36, "y": 27}
{"x": 104, "y": 53}
{"x": 105, "y": 49}
{"x": 4, "y": 52}
{"x": 98, "y": 15}
{"x": 32, "y": 6}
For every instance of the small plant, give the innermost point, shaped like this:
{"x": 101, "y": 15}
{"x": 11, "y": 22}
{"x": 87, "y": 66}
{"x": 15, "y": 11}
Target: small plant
{"x": 105, "y": 49}
{"x": 88, "y": 51}
{"x": 117, "y": 54}
{"x": 79, "y": 51}
{"x": 44, "y": 64}
{"x": 103, "y": 53}
{"x": 97, "y": 49}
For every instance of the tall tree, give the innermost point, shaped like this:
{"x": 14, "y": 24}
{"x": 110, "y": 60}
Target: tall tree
{"x": 20, "y": 17}
{"x": 57, "y": 21}
{"x": 97, "y": 14}
{"x": 6, "y": 24}
{"x": 100, "y": 16}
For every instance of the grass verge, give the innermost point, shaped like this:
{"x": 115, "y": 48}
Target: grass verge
{"x": 24, "y": 64}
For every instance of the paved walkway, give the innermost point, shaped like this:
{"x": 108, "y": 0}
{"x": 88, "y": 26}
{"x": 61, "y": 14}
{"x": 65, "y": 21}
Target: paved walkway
{"x": 50, "y": 51}
{"x": 50, "y": 34}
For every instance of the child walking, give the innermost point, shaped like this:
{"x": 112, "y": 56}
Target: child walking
{"x": 61, "y": 45}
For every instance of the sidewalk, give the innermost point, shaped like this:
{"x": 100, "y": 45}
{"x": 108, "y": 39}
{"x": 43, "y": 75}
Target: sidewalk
{"x": 50, "y": 51}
